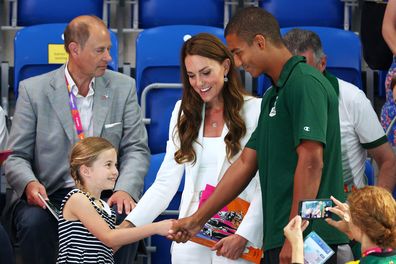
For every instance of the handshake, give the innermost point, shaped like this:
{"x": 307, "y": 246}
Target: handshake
{"x": 180, "y": 230}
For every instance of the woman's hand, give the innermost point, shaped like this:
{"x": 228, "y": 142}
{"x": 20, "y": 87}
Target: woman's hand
{"x": 342, "y": 210}
{"x": 293, "y": 232}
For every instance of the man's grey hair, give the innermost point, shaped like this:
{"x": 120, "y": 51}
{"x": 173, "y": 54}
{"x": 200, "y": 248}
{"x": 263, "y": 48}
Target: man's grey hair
{"x": 300, "y": 40}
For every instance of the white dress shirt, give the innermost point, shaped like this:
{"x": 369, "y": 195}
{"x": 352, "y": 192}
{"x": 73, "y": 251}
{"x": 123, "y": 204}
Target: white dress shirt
{"x": 84, "y": 106}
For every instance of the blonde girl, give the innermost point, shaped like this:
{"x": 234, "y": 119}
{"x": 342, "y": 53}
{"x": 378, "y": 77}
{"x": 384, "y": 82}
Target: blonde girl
{"x": 86, "y": 228}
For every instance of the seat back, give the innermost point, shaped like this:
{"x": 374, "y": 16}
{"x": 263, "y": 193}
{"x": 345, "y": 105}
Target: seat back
{"x": 369, "y": 172}
{"x": 33, "y": 12}
{"x": 263, "y": 83}
{"x": 343, "y": 50}
{"x": 292, "y": 13}
{"x": 155, "y": 164}
{"x": 158, "y": 247}
{"x": 39, "y": 49}
{"x": 158, "y": 62}
{"x": 154, "y": 13}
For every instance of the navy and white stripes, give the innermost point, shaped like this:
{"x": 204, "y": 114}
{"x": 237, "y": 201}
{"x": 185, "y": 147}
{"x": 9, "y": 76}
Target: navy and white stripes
{"x": 77, "y": 244}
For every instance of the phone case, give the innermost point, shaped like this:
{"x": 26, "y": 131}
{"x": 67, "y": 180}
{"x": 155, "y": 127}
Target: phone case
{"x": 315, "y": 208}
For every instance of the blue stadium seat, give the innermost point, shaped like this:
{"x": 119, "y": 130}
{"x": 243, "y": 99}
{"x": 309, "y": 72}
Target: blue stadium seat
{"x": 369, "y": 172}
{"x": 263, "y": 83}
{"x": 292, "y": 13}
{"x": 33, "y": 12}
{"x": 343, "y": 50}
{"x": 154, "y": 13}
{"x": 158, "y": 65}
{"x": 158, "y": 247}
{"x": 32, "y": 46}
{"x": 155, "y": 164}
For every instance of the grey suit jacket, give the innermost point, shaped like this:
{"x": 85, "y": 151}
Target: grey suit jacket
{"x": 43, "y": 132}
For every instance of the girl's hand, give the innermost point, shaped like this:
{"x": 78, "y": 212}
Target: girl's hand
{"x": 184, "y": 228}
{"x": 164, "y": 226}
{"x": 342, "y": 210}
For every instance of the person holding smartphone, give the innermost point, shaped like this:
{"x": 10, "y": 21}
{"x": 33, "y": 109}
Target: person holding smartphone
{"x": 368, "y": 217}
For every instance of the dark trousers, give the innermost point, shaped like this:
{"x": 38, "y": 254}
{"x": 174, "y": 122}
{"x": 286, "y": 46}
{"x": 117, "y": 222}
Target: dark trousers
{"x": 6, "y": 253}
{"x": 272, "y": 256}
{"x": 37, "y": 234}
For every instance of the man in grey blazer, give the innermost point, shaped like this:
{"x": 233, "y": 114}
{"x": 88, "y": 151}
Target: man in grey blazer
{"x": 44, "y": 130}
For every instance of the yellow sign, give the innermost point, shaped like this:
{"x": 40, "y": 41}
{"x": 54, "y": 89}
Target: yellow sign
{"x": 57, "y": 54}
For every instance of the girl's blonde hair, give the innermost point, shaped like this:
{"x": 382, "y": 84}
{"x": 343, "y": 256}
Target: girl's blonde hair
{"x": 373, "y": 210}
{"x": 85, "y": 152}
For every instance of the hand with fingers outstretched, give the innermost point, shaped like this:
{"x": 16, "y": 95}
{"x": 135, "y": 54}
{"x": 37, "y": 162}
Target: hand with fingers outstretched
{"x": 123, "y": 201}
{"x": 369, "y": 218}
{"x": 342, "y": 210}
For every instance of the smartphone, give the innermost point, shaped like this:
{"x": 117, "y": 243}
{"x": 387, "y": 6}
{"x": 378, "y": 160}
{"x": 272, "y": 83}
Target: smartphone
{"x": 50, "y": 207}
{"x": 315, "y": 209}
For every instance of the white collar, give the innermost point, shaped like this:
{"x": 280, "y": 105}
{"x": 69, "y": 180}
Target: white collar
{"x": 73, "y": 85}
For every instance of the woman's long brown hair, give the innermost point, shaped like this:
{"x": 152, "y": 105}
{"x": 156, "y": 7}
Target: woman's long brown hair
{"x": 190, "y": 114}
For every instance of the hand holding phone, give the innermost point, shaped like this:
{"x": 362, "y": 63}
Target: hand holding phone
{"x": 50, "y": 207}
{"x": 315, "y": 209}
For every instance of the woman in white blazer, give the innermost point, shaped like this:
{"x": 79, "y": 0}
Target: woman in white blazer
{"x": 208, "y": 129}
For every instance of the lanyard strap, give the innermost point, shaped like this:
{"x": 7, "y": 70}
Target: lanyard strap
{"x": 74, "y": 112}
{"x": 375, "y": 250}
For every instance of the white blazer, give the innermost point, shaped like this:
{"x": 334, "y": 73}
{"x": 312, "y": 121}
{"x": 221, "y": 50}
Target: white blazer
{"x": 158, "y": 196}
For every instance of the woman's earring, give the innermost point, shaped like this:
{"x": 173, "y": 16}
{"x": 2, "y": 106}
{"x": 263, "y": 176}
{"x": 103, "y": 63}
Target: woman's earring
{"x": 225, "y": 78}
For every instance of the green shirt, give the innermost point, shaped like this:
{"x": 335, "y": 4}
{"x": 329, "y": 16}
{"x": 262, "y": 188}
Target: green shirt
{"x": 301, "y": 106}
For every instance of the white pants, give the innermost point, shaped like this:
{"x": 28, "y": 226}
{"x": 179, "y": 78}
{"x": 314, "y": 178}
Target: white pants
{"x": 193, "y": 253}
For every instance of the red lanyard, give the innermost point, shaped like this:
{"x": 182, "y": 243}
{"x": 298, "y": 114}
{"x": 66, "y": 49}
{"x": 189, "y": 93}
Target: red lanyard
{"x": 375, "y": 250}
{"x": 74, "y": 112}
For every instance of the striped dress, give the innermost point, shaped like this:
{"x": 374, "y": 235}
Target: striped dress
{"x": 77, "y": 244}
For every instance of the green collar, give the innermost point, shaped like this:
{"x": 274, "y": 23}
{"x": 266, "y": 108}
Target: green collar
{"x": 287, "y": 69}
{"x": 333, "y": 80}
